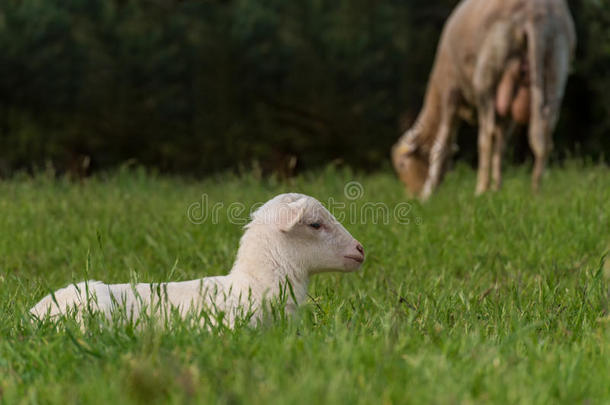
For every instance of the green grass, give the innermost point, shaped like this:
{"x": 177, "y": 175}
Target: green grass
{"x": 499, "y": 299}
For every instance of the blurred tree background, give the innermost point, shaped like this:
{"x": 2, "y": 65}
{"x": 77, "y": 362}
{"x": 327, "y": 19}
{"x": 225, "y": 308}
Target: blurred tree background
{"x": 200, "y": 86}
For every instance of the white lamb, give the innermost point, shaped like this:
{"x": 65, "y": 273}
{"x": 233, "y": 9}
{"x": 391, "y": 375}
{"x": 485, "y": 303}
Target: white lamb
{"x": 290, "y": 238}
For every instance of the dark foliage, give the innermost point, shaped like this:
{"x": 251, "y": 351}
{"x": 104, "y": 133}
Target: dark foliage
{"x": 199, "y": 86}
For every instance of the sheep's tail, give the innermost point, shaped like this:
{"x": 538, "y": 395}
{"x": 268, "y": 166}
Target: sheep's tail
{"x": 550, "y": 47}
{"x": 536, "y": 50}
{"x": 60, "y": 301}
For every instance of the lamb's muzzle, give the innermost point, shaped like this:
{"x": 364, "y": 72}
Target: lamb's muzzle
{"x": 358, "y": 258}
{"x": 290, "y": 238}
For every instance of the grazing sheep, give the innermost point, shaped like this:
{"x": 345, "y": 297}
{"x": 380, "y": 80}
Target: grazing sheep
{"x": 508, "y": 59}
{"x": 290, "y": 238}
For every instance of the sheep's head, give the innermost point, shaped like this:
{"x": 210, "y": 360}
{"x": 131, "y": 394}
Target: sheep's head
{"x": 310, "y": 236}
{"x": 411, "y": 167}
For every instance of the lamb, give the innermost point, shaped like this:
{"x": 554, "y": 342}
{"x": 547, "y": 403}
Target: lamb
{"x": 509, "y": 60}
{"x": 289, "y": 239}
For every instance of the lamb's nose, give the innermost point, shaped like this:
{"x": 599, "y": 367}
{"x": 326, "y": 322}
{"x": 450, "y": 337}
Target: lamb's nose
{"x": 360, "y": 248}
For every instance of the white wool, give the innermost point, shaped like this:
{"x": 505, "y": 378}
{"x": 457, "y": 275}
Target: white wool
{"x": 278, "y": 245}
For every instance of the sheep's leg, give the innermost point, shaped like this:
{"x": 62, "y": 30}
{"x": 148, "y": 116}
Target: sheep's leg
{"x": 538, "y": 138}
{"x": 538, "y": 123}
{"x": 550, "y": 58}
{"x": 486, "y": 134}
{"x": 541, "y": 153}
{"x": 437, "y": 159}
{"x": 496, "y": 158}
{"x": 490, "y": 67}
{"x": 438, "y": 153}
{"x": 501, "y": 133}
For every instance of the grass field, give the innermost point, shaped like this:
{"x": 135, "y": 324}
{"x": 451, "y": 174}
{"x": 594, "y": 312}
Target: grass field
{"x": 499, "y": 299}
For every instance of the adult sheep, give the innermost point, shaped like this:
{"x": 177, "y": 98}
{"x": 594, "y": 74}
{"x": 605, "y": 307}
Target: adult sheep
{"x": 290, "y": 238}
{"x": 509, "y": 60}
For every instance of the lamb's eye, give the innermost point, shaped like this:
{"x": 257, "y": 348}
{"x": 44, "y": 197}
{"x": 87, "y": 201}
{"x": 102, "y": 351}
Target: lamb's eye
{"x": 316, "y": 225}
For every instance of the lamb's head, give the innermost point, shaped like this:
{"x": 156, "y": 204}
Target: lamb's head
{"x": 410, "y": 165}
{"x": 307, "y": 235}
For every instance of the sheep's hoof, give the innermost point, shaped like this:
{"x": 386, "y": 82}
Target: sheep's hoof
{"x": 423, "y": 198}
{"x": 480, "y": 191}
{"x": 535, "y": 188}
{"x": 425, "y": 194}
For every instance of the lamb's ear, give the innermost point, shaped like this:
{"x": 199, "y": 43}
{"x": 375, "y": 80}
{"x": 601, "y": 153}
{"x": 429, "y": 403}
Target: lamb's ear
{"x": 290, "y": 215}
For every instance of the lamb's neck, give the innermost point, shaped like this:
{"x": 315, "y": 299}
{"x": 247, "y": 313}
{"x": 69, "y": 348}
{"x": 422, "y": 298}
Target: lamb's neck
{"x": 263, "y": 263}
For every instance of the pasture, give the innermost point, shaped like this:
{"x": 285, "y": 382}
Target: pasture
{"x": 497, "y": 299}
